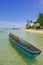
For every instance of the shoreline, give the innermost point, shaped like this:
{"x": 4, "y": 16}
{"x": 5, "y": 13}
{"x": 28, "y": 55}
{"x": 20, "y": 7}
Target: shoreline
{"x": 40, "y": 31}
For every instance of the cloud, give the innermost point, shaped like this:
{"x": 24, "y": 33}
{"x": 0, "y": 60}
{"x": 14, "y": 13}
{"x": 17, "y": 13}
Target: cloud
{"x": 38, "y": 5}
{"x": 8, "y": 24}
{"x": 41, "y": 2}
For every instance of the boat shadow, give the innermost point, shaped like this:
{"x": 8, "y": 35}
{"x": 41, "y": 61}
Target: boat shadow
{"x": 28, "y": 60}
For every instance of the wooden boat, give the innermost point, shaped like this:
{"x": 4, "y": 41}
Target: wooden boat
{"x": 23, "y": 45}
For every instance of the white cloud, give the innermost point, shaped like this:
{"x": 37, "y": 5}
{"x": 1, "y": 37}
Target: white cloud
{"x": 38, "y": 5}
{"x": 8, "y": 24}
{"x": 41, "y": 2}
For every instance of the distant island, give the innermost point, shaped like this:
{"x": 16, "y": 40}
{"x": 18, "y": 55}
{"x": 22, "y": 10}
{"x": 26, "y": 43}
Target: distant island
{"x": 9, "y": 28}
{"x": 16, "y": 28}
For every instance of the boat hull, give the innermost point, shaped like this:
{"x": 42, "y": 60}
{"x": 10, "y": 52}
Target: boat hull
{"x": 24, "y": 50}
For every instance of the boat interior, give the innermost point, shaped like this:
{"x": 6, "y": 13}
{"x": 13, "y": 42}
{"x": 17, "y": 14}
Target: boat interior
{"x": 28, "y": 45}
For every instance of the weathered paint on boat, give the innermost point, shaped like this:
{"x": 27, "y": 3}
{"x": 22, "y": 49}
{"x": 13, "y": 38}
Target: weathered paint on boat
{"x": 30, "y": 52}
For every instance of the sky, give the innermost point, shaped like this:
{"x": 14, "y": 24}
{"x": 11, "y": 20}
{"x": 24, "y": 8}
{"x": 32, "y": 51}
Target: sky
{"x": 16, "y": 12}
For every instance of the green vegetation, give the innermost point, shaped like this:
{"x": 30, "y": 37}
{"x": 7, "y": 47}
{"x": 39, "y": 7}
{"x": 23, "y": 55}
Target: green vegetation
{"x": 40, "y": 19}
{"x": 36, "y": 24}
{"x": 27, "y": 25}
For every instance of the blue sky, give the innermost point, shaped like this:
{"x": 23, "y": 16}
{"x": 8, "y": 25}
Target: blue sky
{"x": 18, "y": 11}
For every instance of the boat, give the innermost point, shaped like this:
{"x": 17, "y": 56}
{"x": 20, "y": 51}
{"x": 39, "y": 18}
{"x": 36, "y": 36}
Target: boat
{"x": 25, "y": 46}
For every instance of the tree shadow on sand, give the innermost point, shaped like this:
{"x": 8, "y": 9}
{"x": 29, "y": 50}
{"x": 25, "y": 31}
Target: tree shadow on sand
{"x": 26, "y": 59}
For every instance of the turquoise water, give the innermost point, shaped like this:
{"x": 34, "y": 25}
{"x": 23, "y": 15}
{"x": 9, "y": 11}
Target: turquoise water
{"x": 9, "y": 55}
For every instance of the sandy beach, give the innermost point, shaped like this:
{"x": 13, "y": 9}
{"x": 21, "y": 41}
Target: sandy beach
{"x": 40, "y": 31}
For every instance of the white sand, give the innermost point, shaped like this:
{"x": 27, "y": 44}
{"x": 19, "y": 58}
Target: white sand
{"x": 34, "y": 31}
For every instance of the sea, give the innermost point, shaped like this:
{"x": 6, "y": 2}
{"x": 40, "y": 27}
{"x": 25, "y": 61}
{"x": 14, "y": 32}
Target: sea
{"x": 10, "y": 55}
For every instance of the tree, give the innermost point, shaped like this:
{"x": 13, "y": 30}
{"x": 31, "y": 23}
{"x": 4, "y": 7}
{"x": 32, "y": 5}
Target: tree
{"x": 30, "y": 21}
{"x": 27, "y": 25}
{"x": 40, "y": 19}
